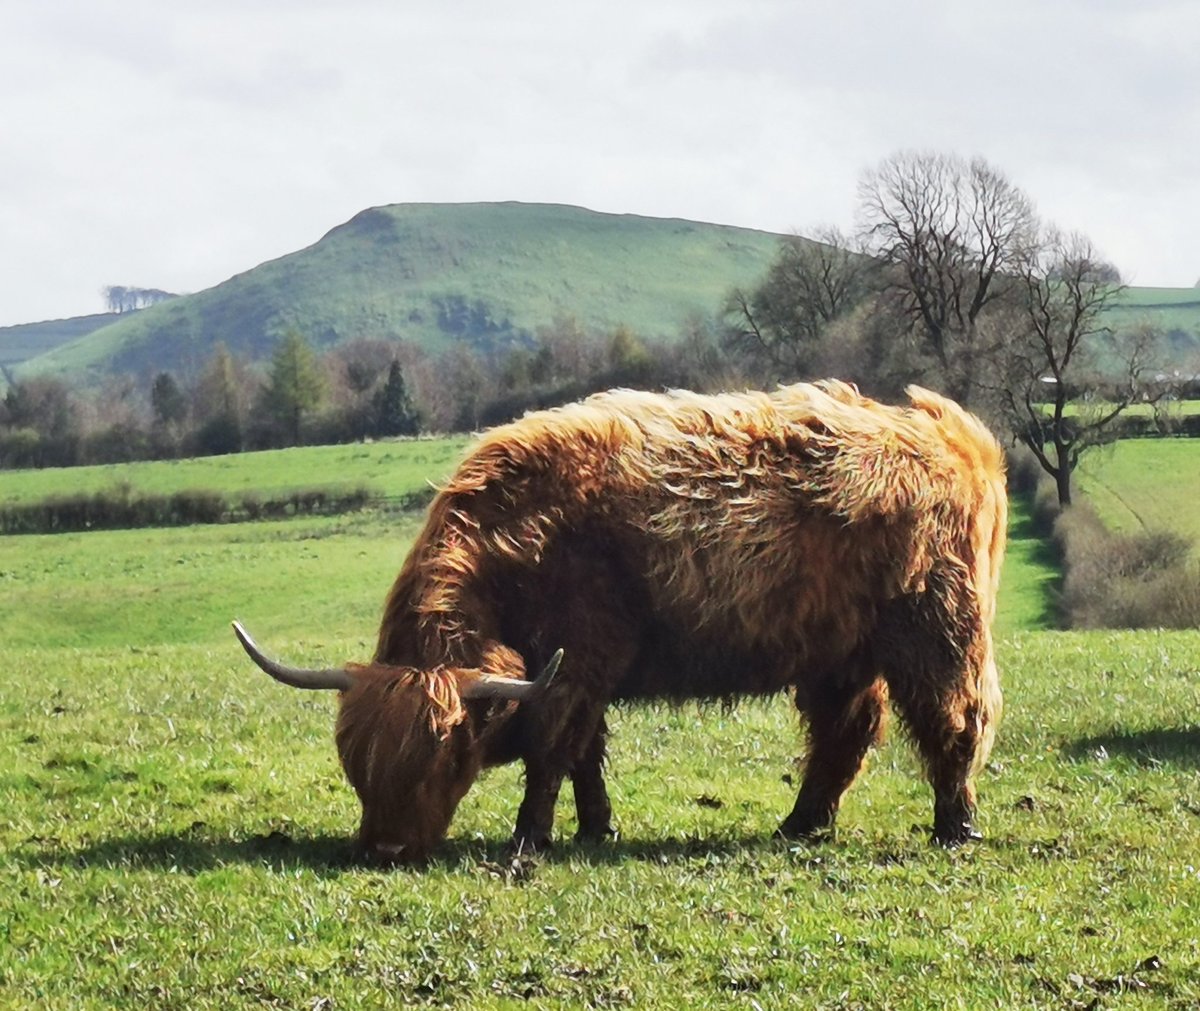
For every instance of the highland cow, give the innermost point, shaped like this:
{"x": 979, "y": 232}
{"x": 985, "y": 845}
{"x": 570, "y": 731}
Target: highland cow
{"x": 677, "y": 546}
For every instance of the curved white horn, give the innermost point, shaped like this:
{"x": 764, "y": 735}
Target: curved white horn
{"x": 296, "y": 677}
{"x": 488, "y": 686}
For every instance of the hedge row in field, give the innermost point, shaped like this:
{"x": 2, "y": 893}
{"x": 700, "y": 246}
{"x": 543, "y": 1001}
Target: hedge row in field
{"x": 1143, "y": 427}
{"x": 120, "y": 508}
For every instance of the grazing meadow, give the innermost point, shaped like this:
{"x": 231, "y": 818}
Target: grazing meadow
{"x": 177, "y": 833}
{"x": 1145, "y": 484}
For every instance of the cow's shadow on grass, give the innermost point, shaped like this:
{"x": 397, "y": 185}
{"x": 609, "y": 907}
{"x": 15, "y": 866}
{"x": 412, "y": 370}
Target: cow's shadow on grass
{"x": 188, "y": 852}
{"x": 1165, "y": 746}
{"x": 330, "y": 856}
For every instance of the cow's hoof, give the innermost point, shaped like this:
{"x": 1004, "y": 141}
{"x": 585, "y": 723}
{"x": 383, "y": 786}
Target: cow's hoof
{"x": 805, "y": 829}
{"x": 958, "y": 835}
{"x": 593, "y": 836}
{"x": 389, "y": 855}
{"x": 522, "y": 845}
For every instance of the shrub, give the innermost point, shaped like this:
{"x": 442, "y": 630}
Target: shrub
{"x": 20, "y": 447}
{"x": 1144, "y": 580}
{"x": 120, "y": 508}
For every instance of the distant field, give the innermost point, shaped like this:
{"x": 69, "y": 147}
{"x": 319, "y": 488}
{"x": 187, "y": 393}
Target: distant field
{"x": 1139, "y": 297}
{"x": 391, "y": 468}
{"x": 1141, "y": 484}
{"x": 1169, "y": 408}
{"x": 331, "y": 552}
{"x": 1173, "y": 311}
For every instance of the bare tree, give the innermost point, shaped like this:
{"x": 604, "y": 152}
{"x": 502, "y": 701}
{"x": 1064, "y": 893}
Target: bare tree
{"x": 781, "y": 324}
{"x": 950, "y": 233}
{"x": 1058, "y": 344}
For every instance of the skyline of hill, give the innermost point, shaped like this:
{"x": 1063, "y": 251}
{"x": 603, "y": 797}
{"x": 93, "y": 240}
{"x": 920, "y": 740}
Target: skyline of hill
{"x": 488, "y": 274}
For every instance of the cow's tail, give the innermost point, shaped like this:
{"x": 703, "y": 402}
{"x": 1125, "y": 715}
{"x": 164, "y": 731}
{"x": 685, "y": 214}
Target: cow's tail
{"x": 967, "y": 431}
{"x": 971, "y": 439}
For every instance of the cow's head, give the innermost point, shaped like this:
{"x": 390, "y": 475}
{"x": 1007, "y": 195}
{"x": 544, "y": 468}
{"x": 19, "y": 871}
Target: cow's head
{"x": 407, "y": 741}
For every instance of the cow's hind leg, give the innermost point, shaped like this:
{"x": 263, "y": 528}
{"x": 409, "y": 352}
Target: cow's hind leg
{"x": 952, "y": 719}
{"x": 842, "y": 726}
{"x": 592, "y": 807}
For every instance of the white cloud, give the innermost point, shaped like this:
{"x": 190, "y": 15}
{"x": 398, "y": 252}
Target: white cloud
{"x": 172, "y": 145}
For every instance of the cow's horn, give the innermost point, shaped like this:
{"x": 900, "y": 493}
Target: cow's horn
{"x": 488, "y": 686}
{"x": 297, "y": 677}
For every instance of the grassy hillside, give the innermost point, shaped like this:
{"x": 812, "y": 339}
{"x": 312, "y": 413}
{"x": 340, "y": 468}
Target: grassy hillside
{"x": 488, "y": 273}
{"x": 434, "y": 273}
{"x": 1174, "y": 311}
{"x": 28, "y": 340}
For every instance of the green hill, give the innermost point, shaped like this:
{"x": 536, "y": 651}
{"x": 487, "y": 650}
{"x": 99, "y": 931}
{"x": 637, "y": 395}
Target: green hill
{"x": 437, "y": 273}
{"x": 486, "y": 273}
{"x": 1174, "y": 311}
{"x": 28, "y": 340}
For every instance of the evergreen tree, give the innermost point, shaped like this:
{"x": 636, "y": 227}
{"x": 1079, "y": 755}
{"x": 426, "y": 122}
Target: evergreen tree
{"x": 167, "y": 400}
{"x": 394, "y": 410}
{"x": 296, "y": 386}
{"x": 218, "y": 405}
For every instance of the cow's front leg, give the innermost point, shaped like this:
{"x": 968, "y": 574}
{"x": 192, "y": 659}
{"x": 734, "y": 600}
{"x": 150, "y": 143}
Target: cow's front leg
{"x": 592, "y": 807}
{"x": 535, "y": 817}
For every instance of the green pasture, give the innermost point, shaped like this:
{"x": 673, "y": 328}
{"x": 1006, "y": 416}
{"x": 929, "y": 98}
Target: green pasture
{"x": 1164, "y": 408}
{"x": 394, "y": 467}
{"x": 177, "y": 832}
{"x": 1174, "y": 311}
{"x": 1145, "y": 484}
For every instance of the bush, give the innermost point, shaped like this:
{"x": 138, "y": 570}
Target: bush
{"x": 20, "y": 447}
{"x": 1027, "y": 479}
{"x": 119, "y": 508}
{"x": 1144, "y": 580}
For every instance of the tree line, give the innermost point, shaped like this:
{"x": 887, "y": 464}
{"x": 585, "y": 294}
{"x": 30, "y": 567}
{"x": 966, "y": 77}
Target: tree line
{"x": 124, "y": 298}
{"x": 362, "y": 389}
{"x": 950, "y": 279}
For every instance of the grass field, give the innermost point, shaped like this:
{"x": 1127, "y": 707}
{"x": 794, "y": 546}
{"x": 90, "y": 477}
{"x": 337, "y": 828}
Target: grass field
{"x": 1145, "y": 484}
{"x": 1171, "y": 408}
{"x": 176, "y": 829}
{"x": 392, "y": 468}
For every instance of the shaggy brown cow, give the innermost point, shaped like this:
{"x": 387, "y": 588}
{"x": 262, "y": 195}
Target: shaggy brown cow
{"x": 684, "y": 546}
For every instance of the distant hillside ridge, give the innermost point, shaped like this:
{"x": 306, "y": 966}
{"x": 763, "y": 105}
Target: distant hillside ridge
{"x": 1175, "y": 312}
{"x": 28, "y": 340}
{"x": 486, "y": 273}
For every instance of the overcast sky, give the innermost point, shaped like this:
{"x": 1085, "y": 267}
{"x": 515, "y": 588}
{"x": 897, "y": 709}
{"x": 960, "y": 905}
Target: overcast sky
{"x": 165, "y": 144}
